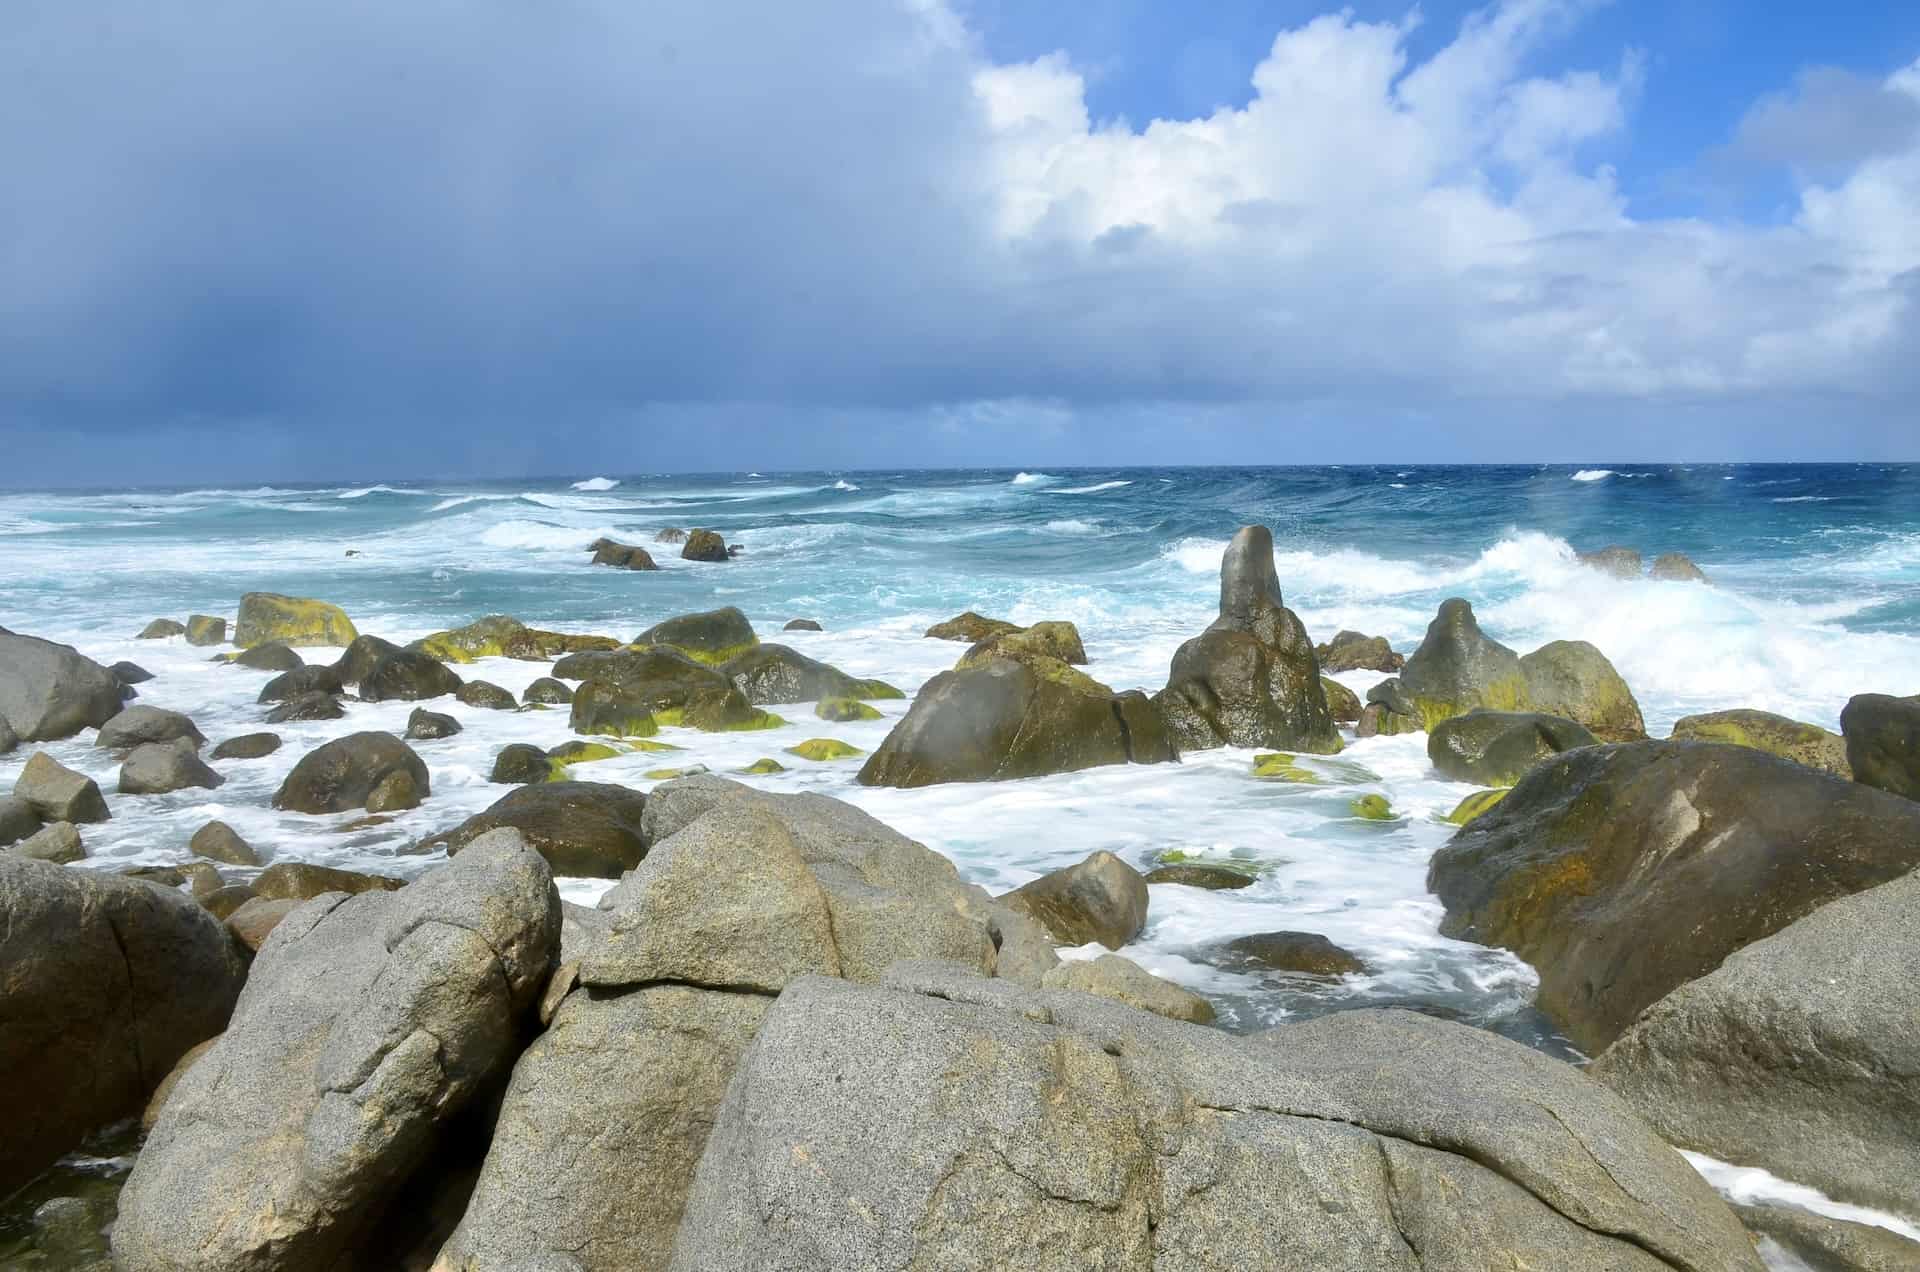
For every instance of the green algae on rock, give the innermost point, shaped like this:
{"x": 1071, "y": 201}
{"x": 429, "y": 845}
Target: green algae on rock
{"x": 1474, "y": 805}
{"x": 291, "y": 620}
{"x": 845, "y": 709}
{"x": 1807, "y": 744}
{"x": 823, "y": 749}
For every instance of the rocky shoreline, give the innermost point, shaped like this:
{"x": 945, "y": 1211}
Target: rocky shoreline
{"x": 790, "y": 1036}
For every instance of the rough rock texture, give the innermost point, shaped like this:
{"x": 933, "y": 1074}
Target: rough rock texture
{"x": 254, "y": 920}
{"x": 344, "y": 773}
{"x": 1622, "y": 872}
{"x": 303, "y": 881}
{"x": 1883, "y": 742}
{"x": 956, "y": 1123}
{"x": 1352, "y": 651}
{"x": 50, "y": 691}
{"x": 1572, "y": 679}
{"x": 1004, "y": 719}
{"x": 1252, "y": 678}
{"x": 1676, "y": 567}
{"x": 205, "y": 629}
{"x": 1100, "y": 899}
{"x": 971, "y": 627}
{"x": 1343, "y": 704}
{"x": 367, "y": 1024}
{"x": 291, "y": 620}
{"x": 58, "y": 843}
{"x": 1495, "y": 748}
{"x": 139, "y": 725}
{"x": 248, "y": 746}
{"x": 429, "y": 726}
{"x": 57, "y": 793}
{"x": 802, "y": 625}
{"x": 17, "y": 820}
{"x": 164, "y": 1092}
{"x": 704, "y": 545}
{"x": 156, "y": 768}
{"x": 584, "y": 829}
{"x": 1308, "y": 953}
{"x": 307, "y": 706}
{"x": 624, "y": 556}
{"x": 1125, "y": 981}
{"x": 9, "y": 740}
{"x": 1059, "y": 640}
{"x": 549, "y": 691}
{"x": 130, "y": 673}
{"x": 407, "y": 675}
{"x": 161, "y": 628}
{"x": 774, "y": 675}
{"x": 104, "y": 982}
{"x": 1797, "y": 1054}
{"x": 1807, "y": 744}
{"x": 519, "y": 763}
{"x": 217, "y": 841}
{"x": 274, "y": 655}
{"x": 361, "y": 657}
{"x": 1831, "y": 1245}
{"x": 715, "y": 637}
{"x": 1457, "y": 668}
{"x": 300, "y": 681}
{"x": 1192, "y": 875}
{"x": 502, "y": 636}
{"x": 1621, "y": 563}
{"x": 485, "y": 695}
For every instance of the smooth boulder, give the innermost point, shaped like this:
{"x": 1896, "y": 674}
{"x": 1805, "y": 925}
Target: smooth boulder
{"x": 162, "y": 628}
{"x": 217, "y": 841}
{"x": 58, "y": 843}
{"x": 1807, "y": 744}
{"x": 1353, "y": 651}
{"x": 247, "y": 746}
{"x": 407, "y": 675}
{"x": 713, "y": 637}
{"x": 57, "y": 793}
{"x": 298, "y": 682}
{"x": 1573, "y": 679}
{"x": 273, "y": 655}
{"x": 519, "y": 762}
{"x": 50, "y": 691}
{"x": 1125, "y": 981}
{"x": 354, "y": 772}
{"x": 139, "y": 725}
{"x": 1051, "y": 639}
{"x": 1307, "y": 953}
{"x": 429, "y": 726}
{"x": 290, "y": 620}
{"x": 584, "y": 829}
{"x": 359, "y": 658}
{"x": 18, "y": 819}
{"x": 1099, "y": 899}
{"x": 623, "y": 556}
{"x": 157, "y": 768}
{"x": 1495, "y": 748}
{"x": 774, "y": 675}
{"x": 547, "y": 691}
{"x": 1883, "y": 742}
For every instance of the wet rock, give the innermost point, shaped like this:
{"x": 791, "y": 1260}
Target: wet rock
{"x": 57, "y": 793}
{"x": 486, "y": 696}
{"x": 1251, "y": 679}
{"x": 303, "y": 881}
{"x": 343, "y": 774}
{"x": 58, "y": 843}
{"x": 1824, "y": 1244}
{"x": 824, "y": 750}
{"x": 255, "y": 921}
{"x": 1883, "y": 742}
{"x": 1621, "y": 563}
{"x": 584, "y": 829}
{"x": 607, "y": 708}
{"x": 1124, "y": 981}
{"x": 715, "y": 637}
{"x": 360, "y": 658}
{"x": 130, "y": 673}
{"x": 161, "y": 628}
{"x": 139, "y": 725}
{"x": 971, "y": 627}
{"x": 1572, "y": 679}
{"x": 1308, "y": 953}
{"x": 1474, "y": 805}
{"x": 802, "y": 625}
{"x": 205, "y": 629}
{"x": 771, "y": 675}
{"x": 247, "y": 746}
{"x": 1622, "y": 872}
{"x": 1343, "y": 704}
{"x": 407, "y": 675}
{"x": 624, "y": 556}
{"x": 521, "y": 763}
{"x": 107, "y": 981}
{"x": 1100, "y": 899}
{"x": 217, "y": 841}
{"x": 672, "y": 534}
{"x": 704, "y": 545}
{"x": 17, "y": 820}
{"x": 1675, "y": 567}
{"x": 298, "y": 682}
{"x": 224, "y": 900}
{"x": 50, "y": 691}
{"x": 1456, "y": 669}
{"x": 426, "y": 726}
{"x": 1806, "y": 744}
{"x": 274, "y": 655}
{"x": 1212, "y": 878}
{"x": 842, "y": 710}
{"x": 502, "y": 636}
{"x": 1495, "y": 748}
{"x": 9, "y": 741}
{"x": 157, "y": 768}
{"x": 291, "y": 620}
{"x": 1352, "y": 651}
{"x": 396, "y": 792}
{"x": 307, "y": 706}
{"x": 547, "y": 690}
{"x": 1058, "y": 640}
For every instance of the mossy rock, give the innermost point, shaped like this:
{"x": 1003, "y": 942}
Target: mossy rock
{"x": 724, "y": 712}
{"x": 602, "y": 709}
{"x": 764, "y": 768}
{"x": 1372, "y": 808}
{"x": 876, "y": 691}
{"x": 501, "y": 636}
{"x": 583, "y": 753}
{"x": 1343, "y": 704}
{"x": 845, "y": 709}
{"x": 291, "y": 620}
{"x": 1475, "y": 804}
{"x": 1807, "y": 744}
{"x": 1042, "y": 665}
{"x": 668, "y": 774}
{"x": 1049, "y": 640}
{"x": 822, "y": 749}
{"x": 1247, "y": 866}
{"x": 715, "y": 637}
{"x": 1284, "y": 767}
{"x": 1213, "y": 878}
{"x": 652, "y": 745}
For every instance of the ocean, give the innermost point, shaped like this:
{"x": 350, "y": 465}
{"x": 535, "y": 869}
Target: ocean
{"x": 1814, "y": 595}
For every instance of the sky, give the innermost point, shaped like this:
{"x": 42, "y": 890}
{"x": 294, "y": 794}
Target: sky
{"x": 353, "y": 238}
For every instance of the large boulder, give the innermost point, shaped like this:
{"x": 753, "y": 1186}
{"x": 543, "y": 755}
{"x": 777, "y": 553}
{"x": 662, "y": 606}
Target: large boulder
{"x": 953, "y": 1122}
{"x": 1574, "y": 680}
{"x": 776, "y": 675}
{"x": 156, "y": 768}
{"x": 704, "y": 545}
{"x": 501, "y": 636}
{"x": 1494, "y": 748}
{"x": 407, "y": 675}
{"x": 622, "y": 556}
{"x": 583, "y": 829}
{"x": 1003, "y": 719}
{"x": 206, "y": 629}
{"x": 1622, "y": 872}
{"x": 1252, "y": 678}
{"x": 274, "y": 655}
{"x": 291, "y": 620}
{"x": 57, "y": 793}
{"x": 1797, "y": 1054}
{"x": 104, "y": 982}
{"x": 1059, "y": 640}
{"x": 1352, "y": 651}
{"x": 1883, "y": 742}
{"x": 360, "y": 658}
{"x": 715, "y": 637}
{"x": 354, "y": 772}
{"x": 1807, "y": 744}
{"x": 1457, "y": 668}
{"x": 298, "y": 682}
{"x": 139, "y": 725}
{"x": 368, "y": 1024}
{"x": 1100, "y": 899}
{"x": 971, "y": 628}
{"x": 50, "y": 691}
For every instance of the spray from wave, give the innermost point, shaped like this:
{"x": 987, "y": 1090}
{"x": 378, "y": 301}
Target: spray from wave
{"x": 596, "y": 483}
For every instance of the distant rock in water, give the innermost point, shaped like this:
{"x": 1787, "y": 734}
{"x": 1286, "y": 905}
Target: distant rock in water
{"x": 1674, "y": 567}
{"x": 161, "y": 628}
{"x": 429, "y": 726}
{"x": 502, "y": 636}
{"x": 1883, "y": 742}
{"x": 272, "y": 655}
{"x": 1100, "y": 899}
{"x": 1351, "y": 651}
{"x": 1307, "y": 953}
{"x": 155, "y": 768}
{"x": 1052, "y": 639}
{"x": 247, "y": 746}
{"x": 291, "y": 620}
{"x": 624, "y": 556}
{"x": 801, "y": 625}
{"x": 672, "y": 534}
{"x": 1343, "y": 704}
{"x": 485, "y": 695}
{"x": 1252, "y": 678}
{"x": 129, "y": 673}
{"x": 704, "y": 545}
{"x": 548, "y": 691}
{"x": 1807, "y": 744}
{"x": 971, "y": 627}
{"x": 138, "y": 725}
{"x": 407, "y": 675}
{"x": 772, "y": 675}
{"x": 205, "y": 629}
{"x": 1620, "y": 562}
{"x": 584, "y": 829}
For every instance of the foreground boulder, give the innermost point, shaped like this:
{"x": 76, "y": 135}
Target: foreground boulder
{"x": 374, "y": 771}
{"x": 1251, "y": 679}
{"x": 715, "y": 637}
{"x": 774, "y": 675}
{"x": 290, "y": 620}
{"x": 138, "y": 725}
{"x": 156, "y": 768}
{"x": 367, "y": 1025}
{"x": 1351, "y": 651}
{"x": 1796, "y": 1054}
{"x": 50, "y": 691}
{"x": 1100, "y": 899}
{"x": 1883, "y": 742}
{"x": 1807, "y": 744}
{"x": 1495, "y": 748}
{"x": 104, "y": 982}
{"x": 947, "y": 1121}
{"x": 1622, "y": 872}
{"x": 501, "y": 636}
{"x": 57, "y": 793}
{"x": 586, "y": 830}
{"x": 623, "y": 556}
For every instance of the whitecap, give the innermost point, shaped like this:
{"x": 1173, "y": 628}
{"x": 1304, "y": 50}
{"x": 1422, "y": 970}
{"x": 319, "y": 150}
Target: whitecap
{"x": 1090, "y": 490}
{"x": 1073, "y": 525}
{"x": 1032, "y": 479}
{"x": 458, "y": 501}
{"x": 1593, "y": 474}
{"x": 596, "y": 483}
{"x": 1802, "y": 499}
{"x": 844, "y": 484}
{"x": 363, "y": 491}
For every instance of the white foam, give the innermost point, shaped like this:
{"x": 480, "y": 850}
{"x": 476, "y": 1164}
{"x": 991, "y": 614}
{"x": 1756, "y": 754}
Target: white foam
{"x": 540, "y": 536}
{"x": 1090, "y": 490}
{"x": 596, "y": 483}
{"x": 1750, "y": 1185}
{"x": 459, "y": 501}
{"x": 1073, "y": 525}
{"x": 844, "y": 484}
{"x": 1032, "y": 479}
{"x": 1802, "y": 499}
{"x": 362, "y": 492}
{"x": 1593, "y": 474}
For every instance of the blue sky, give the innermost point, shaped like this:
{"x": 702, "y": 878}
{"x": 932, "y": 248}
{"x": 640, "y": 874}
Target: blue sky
{"x": 356, "y": 238}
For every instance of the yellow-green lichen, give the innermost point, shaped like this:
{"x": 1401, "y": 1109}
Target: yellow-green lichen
{"x": 1372, "y": 808}
{"x": 1284, "y": 767}
{"x": 1475, "y": 804}
{"x": 643, "y": 725}
{"x": 823, "y": 749}
{"x": 1239, "y": 865}
{"x": 875, "y": 691}
{"x": 668, "y": 774}
{"x": 764, "y": 768}
{"x": 843, "y": 709}
{"x": 294, "y": 620}
{"x": 711, "y": 657}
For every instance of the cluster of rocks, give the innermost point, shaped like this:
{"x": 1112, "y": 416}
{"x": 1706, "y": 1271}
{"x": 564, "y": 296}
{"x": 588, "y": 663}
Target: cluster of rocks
{"x": 1627, "y": 563}
{"x": 695, "y": 545}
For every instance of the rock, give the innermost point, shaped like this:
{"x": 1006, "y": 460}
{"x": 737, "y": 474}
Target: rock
{"x": 342, "y": 774}
{"x": 254, "y": 921}
{"x": 1101, "y": 899}
{"x": 1794, "y": 1054}
{"x": 1125, "y": 981}
{"x": 1474, "y": 805}
{"x": 547, "y": 690}
{"x": 824, "y": 750}
{"x": 161, "y": 628}
{"x": 157, "y": 768}
{"x": 130, "y": 673}
{"x": 106, "y": 982}
{"x": 586, "y": 830}
{"x": 368, "y": 1024}
{"x": 163, "y": 1092}
{"x": 1049, "y": 640}
{"x": 204, "y": 629}
{"x": 307, "y": 706}
{"x": 397, "y": 791}
{"x": 715, "y": 637}
{"x": 1212, "y": 878}
{"x": 426, "y": 726}
{"x": 763, "y": 767}
{"x": 802, "y": 625}
{"x": 49, "y": 691}
{"x": 1343, "y": 704}
{"x": 303, "y": 881}
{"x": 1351, "y": 651}
{"x": 57, "y": 793}
{"x": 58, "y": 843}
{"x": 1494, "y": 748}
{"x": 301, "y": 681}
{"x": 1305, "y": 952}
{"x": 501, "y": 636}
{"x": 1574, "y": 680}
{"x": 217, "y": 841}
{"x": 486, "y": 696}
{"x": 201, "y": 877}
{"x": 774, "y": 675}
{"x": 704, "y": 545}
{"x": 1883, "y": 742}
{"x": 248, "y": 746}
{"x": 625, "y": 556}
{"x": 291, "y": 620}
{"x": 624, "y": 689}
{"x": 360, "y": 658}
{"x": 672, "y": 534}
{"x": 521, "y": 763}
{"x": 407, "y": 675}
{"x": 610, "y": 709}
{"x": 720, "y": 711}
{"x": 1806, "y": 744}
{"x": 225, "y": 900}
{"x": 274, "y": 655}
{"x": 8, "y": 739}
{"x": 843, "y": 710}
{"x": 17, "y": 820}
{"x": 1251, "y": 679}
{"x": 1825, "y": 1244}
{"x": 1377, "y": 721}
{"x": 1675, "y": 567}
{"x": 957, "y": 1122}
{"x": 1371, "y": 808}
{"x": 1622, "y": 872}
{"x": 1621, "y": 563}
{"x": 1006, "y": 719}
{"x": 139, "y": 725}
{"x": 1456, "y": 669}
{"x": 971, "y": 627}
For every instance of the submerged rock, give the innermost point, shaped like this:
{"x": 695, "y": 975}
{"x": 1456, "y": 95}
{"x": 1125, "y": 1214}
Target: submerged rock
{"x": 502, "y": 636}
{"x": 161, "y": 628}
{"x": 274, "y": 655}
{"x": 57, "y": 793}
{"x": 1308, "y": 953}
{"x": 584, "y": 829}
{"x": 1621, "y": 563}
{"x": 549, "y": 691}
{"x": 50, "y": 691}
{"x": 1195, "y": 875}
{"x": 485, "y": 695}
{"x": 704, "y": 545}
{"x": 1883, "y": 742}
{"x": 1495, "y": 748}
{"x": 300, "y": 681}
{"x": 1807, "y": 744}
{"x": 1099, "y": 899}
{"x": 520, "y": 763}
{"x": 1675, "y": 567}
{"x": 155, "y": 768}
{"x": 138, "y": 725}
{"x": 1351, "y": 651}
{"x": 356, "y": 771}
{"x": 307, "y": 706}
{"x": 291, "y": 620}
{"x": 802, "y": 625}
{"x": 672, "y": 534}
{"x": 715, "y": 637}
